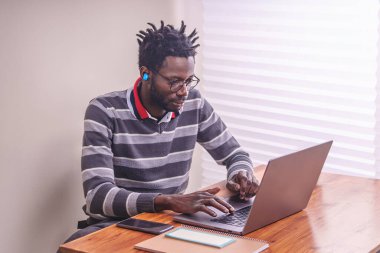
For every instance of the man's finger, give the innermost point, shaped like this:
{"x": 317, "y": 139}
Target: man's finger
{"x": 252, "y": 187}
{"x": 204, "y": 209}
{"x": 250, "y": 190}
{"x": 232, "y": 186}
{"x": 242, "y": 180}
{"x": 224, "y": 203}
{"x": 217, "y": 205}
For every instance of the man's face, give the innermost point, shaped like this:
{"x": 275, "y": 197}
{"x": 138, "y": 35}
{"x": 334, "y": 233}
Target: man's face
{"x": 173, "y": 68}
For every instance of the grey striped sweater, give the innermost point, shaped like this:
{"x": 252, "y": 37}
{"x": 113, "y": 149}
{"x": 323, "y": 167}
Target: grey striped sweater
{"x": 128, "y": 158}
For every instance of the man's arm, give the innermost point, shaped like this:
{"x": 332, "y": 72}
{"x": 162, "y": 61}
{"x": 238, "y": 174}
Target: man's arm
{"x": 214, "y": 136}
{"x": 103, "y": 197}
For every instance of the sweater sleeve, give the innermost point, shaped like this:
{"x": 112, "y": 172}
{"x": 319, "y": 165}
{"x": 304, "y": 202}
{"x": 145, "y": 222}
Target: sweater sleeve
{"x": 215, "y": 137}
{"x": 103, "y": 197}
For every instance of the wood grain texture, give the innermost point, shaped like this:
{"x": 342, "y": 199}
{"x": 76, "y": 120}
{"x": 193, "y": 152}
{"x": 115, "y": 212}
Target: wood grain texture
{"x": 343, "y": 215}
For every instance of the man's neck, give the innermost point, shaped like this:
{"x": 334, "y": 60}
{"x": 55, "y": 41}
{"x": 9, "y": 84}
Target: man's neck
{"x": 148, "y": 104}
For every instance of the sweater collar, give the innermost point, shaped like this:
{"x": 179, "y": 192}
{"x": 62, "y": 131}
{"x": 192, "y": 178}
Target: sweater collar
{"x": 140, "y": 111}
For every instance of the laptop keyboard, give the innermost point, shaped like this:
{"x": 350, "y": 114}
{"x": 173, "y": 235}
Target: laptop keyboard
{"x": 238, "y": 218}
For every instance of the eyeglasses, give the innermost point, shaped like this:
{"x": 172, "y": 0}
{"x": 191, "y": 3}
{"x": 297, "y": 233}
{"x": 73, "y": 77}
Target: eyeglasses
{"x": 177, "y": 84}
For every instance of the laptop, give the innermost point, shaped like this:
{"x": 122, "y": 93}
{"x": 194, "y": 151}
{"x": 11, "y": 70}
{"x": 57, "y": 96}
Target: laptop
{"x": 285, "y": 189}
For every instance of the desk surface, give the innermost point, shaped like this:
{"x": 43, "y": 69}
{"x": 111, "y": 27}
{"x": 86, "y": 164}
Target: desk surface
{"x": 343, "y": 215}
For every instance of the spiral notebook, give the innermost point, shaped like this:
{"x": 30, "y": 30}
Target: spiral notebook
{"x": 187, "y": 239}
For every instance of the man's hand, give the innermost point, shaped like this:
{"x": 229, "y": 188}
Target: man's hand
{"x": 193, "y": 202}
{"x": 244, "y": 184}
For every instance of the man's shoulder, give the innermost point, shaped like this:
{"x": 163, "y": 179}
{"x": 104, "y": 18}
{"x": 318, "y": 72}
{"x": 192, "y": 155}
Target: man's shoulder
{"x": 194, "y": 94}
{"x": 115, "y": 99}
{"x": 194, "y": 101}
{"x": 122, "y": 94}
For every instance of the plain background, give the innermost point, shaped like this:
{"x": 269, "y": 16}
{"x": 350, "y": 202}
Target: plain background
{"x": 54, "y": 57}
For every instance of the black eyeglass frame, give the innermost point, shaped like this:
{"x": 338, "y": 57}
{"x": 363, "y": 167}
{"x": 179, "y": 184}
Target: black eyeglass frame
{"x": 177, "y": 87}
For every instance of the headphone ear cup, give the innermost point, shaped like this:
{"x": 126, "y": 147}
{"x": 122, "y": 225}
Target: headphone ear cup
{"x": 145, "y": 76}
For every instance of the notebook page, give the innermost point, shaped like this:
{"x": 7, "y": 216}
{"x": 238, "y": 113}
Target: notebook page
{"x": 201, "y": 237}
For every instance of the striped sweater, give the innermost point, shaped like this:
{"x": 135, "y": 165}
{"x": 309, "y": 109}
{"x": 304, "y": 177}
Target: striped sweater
{"x": 128, "y": 157}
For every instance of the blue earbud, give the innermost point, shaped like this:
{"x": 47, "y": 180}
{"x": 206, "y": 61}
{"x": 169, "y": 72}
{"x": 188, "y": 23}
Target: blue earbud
{"x": 145, "y": 76}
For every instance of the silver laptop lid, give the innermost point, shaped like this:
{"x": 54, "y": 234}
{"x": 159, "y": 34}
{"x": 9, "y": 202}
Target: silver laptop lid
{"x": 287, "y": 185}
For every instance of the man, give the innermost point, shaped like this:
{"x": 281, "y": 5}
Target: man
{"x": 138, "y": 143}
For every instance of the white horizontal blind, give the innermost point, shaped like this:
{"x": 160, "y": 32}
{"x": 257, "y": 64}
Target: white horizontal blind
{"x": 285, "y": 75}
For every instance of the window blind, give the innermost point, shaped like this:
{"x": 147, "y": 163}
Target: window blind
{"x": 285, "y": 75}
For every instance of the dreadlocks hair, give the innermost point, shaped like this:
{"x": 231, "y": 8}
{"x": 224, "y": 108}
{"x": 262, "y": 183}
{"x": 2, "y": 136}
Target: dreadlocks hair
{"x": 156, "y": 44}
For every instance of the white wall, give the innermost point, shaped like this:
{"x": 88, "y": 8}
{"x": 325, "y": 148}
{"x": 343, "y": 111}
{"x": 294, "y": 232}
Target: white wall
{"x": 54, "y": 57}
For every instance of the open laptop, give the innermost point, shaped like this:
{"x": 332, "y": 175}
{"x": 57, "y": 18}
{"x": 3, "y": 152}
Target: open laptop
{"x": 285, "y": 189}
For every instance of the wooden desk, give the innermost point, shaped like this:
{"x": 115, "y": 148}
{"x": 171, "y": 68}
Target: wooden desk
{"x": 343, "y": 215}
